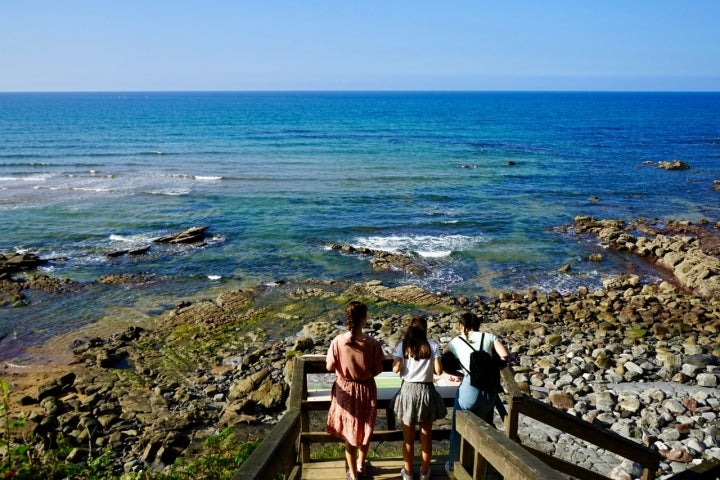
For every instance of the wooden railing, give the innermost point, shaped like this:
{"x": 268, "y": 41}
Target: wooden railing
{"x": 286, "y": 449}
{"x": 482, "y": 445}
{"x": 520, "y": 403}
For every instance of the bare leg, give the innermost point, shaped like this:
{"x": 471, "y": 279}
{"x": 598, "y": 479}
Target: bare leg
{"x": 426, "y": 445}
{"x": 361, "y": 456}
{"x": 408, "y": 447}
{"x": 351, "y": 458}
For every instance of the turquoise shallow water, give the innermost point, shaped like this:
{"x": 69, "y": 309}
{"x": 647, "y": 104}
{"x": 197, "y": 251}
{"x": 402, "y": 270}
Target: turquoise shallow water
{"x": 278, "y": 176}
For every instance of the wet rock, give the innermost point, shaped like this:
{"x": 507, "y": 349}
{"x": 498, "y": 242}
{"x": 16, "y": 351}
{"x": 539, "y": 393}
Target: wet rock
{"x": 15, "y": 262}
{"x": 673, "y": 165}
{"x": 194, "y": 235}
{"x": 383, "y": 260}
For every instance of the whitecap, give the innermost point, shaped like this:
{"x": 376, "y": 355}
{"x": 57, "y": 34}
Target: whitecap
{"x": 433, "y": 246}
{"x": 133, "y": 239}
{"x": 214, "y": 277}
{"x": 207, "y": 178}
{"x": 88, "y": 189}
{"x": 37, "y": 178}
{"x": 171, "y": 191}
{"x": 435, "y": 254}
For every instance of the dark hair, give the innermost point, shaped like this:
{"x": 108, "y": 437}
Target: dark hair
{"x": 354, "y": 314}
{"x": 415, "y": 342}
{"x": 470, "y": 321}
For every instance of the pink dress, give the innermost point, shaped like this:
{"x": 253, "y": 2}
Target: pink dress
{"x": 353, "y": 401}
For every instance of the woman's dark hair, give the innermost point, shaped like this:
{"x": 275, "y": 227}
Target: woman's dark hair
{"x": 354, "y": 314}
{"x": 415, "y": 342}
{"x": 470, "y": 321}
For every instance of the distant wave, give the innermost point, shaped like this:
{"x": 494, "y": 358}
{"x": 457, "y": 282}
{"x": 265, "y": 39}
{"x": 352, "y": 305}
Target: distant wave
{"x": 79, "y": 154}
{"x": 428, "y": 246}
{"x": 208, "y": 178}
{"x": 170, "y": 191}
{"x": 37, "y": 177}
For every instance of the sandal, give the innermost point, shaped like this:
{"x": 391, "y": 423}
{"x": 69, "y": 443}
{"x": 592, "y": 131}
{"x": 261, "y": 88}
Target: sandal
{"x": 362, "y": 467}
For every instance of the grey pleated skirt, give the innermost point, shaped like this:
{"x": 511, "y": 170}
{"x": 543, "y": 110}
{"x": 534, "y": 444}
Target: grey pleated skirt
{"x": 416, "y": 403}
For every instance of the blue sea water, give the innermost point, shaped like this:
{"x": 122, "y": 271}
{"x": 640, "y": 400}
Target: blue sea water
{"x": 473, "y": 183}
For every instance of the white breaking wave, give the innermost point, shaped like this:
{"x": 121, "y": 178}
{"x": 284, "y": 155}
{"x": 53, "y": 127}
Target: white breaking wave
{"x": 208, "y": 178}
{"x": 37, "y": 178}
{"x": 171, "y": 191}
{"x": 132, "y": 239}
{"x": 424, "y": 245}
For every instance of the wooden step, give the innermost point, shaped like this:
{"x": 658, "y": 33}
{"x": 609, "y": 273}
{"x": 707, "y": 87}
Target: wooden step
{"x": 379, "y": 469}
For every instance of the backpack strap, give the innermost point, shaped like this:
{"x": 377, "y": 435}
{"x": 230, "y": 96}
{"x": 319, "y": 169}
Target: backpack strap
{"x": 482, "y": 342}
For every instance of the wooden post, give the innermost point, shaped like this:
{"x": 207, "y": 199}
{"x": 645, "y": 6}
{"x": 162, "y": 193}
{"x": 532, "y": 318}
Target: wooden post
{"x": 299, "y": 386}
{"x": 512, "y": 419}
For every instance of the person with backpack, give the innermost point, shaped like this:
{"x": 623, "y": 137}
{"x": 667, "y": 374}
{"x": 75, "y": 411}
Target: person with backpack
{"x": 479, "y": 388}
{"x": 418, "y": 402}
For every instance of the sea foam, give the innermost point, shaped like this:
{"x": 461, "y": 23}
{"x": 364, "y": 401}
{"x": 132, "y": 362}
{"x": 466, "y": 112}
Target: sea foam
{"x": 429, "y": 246}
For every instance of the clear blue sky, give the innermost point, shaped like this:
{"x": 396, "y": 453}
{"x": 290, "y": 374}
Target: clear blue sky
{"x": 92, "y": 45}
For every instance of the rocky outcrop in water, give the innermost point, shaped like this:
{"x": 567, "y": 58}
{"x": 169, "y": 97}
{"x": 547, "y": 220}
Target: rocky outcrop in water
{"x": 673, "y": 165}
{"x": 17, "y": 262}
{"x": 384, "y": 261}
{"x": 12, "y": 288}
{"x": 689, "y": 255}
{"x": 194, "y": 235}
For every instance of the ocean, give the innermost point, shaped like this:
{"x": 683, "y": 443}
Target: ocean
{"x": 473, "y": 183}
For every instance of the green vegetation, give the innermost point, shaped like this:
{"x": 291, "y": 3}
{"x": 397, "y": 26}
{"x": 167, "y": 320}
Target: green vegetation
{"x": 23, "y": 457}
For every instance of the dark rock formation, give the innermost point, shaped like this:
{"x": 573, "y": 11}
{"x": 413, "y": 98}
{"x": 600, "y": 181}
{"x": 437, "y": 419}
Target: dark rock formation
{"x": 194, "y": 235}
{"x": 673, "y": 165}
{"x": 16, "y": 262}
{"x": 384, "y": 261}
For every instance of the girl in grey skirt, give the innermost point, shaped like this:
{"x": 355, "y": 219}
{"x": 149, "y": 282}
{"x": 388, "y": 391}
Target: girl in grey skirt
{"x": 418, "y": 402}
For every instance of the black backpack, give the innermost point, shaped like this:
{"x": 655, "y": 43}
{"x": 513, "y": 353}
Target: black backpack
{"x": 484, "y": 368}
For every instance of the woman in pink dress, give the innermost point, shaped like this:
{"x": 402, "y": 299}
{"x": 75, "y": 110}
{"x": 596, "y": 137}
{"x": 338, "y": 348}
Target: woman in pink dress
{"x": 356, "y": 358}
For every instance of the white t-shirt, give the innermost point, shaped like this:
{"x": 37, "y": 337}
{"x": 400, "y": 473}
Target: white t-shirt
{"x": 419, "y": 371}
{"x": 462, "y": 350}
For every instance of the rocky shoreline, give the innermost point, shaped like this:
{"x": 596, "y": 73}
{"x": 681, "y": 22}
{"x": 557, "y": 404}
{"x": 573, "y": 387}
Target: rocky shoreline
{"x": 640, "y": 359}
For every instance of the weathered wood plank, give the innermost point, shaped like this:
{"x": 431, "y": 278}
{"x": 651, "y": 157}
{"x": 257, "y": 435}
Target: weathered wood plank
{"x": 571, "y": 469}
{"x": 709, "y": 470}
{"x": 379, "y": 469}
{"x": 378, "y": 436}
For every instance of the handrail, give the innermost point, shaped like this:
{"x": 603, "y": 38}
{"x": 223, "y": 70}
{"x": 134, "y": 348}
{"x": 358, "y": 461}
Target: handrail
{"x": 491, "y": 446}
{"x": 607, "y": 439}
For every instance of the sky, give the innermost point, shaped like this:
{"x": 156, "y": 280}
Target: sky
{"x": 238, "y": 45}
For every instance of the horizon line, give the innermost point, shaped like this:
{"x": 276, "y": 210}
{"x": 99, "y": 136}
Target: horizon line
{"x": 365, "y": 91}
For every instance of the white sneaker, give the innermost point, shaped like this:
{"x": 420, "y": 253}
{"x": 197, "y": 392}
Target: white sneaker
{"x": 404, "y": 475}
{"x": 449, "y": 470}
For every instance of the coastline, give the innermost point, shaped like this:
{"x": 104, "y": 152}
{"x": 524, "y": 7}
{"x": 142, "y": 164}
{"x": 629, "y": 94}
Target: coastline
{"x": 211, "y": 358}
